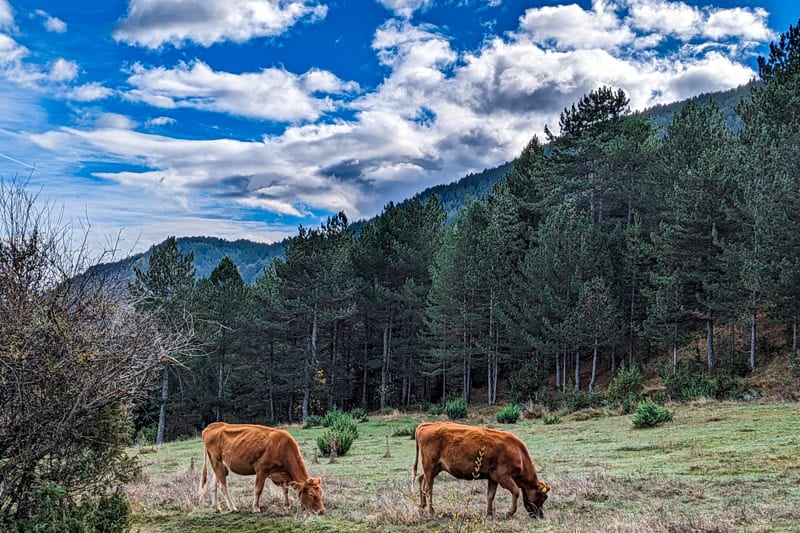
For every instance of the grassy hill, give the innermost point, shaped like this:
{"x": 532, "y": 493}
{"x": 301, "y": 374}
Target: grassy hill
{"x": 715, "y": 467}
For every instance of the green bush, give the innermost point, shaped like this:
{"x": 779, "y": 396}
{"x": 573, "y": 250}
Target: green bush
{"x": 359, "y": 414}
{"x": 435, "y": 410}
{"x": 625, "y": 387}
{"x": 573, "y": 400}
{"x": 730, "y": 387}
{"x": 688, "y": 381}
{"x": 456, "y": 409}
{"x": 404, "y": 431}
{"x": 388, "y": 410}
{"x": 313, "y": 421}
{"x": 649, "y": 414}
{"x": 794, "y": 363}
{"x": 56, "y": 511}
{"x": 340, "y": 421}
{"x": 551, "y": 419}
{"x": 340, "y": 439}
{"x": 508, "y": 414}
{"x": 146, "y": 436}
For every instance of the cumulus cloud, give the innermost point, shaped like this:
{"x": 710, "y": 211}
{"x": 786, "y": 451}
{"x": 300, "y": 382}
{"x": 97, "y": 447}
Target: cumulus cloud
{"x": 153, "y": 23}
{"x": 159, "y": 121}
{"x": 438, "y": 113}
{"x": 51, "y": 23}
{"x": 271, "y": 94}
{"x": 89, "y": 92}
{"x": 405, "y": 8}
{"x": 114, "y": 121}
{"x": 6, "y": 15}
{"x": 63, "y": 70}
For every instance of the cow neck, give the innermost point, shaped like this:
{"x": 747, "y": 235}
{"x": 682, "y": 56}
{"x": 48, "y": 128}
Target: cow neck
{"x": 296, "y": 468}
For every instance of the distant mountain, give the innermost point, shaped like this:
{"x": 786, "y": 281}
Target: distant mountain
{"x": 251, "y": 257}
{"x": 661, "y": 115}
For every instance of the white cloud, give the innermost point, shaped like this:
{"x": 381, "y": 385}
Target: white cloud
{"x": 89, "y": 92}
{"x": 271, "y": 94}
{"x": 405, "y": 8}
{"x": 568, "y": 27}
{"x": 159, "y": 121}
{"x": 750, "y": 24}
{"x": 6, "y": 15}
{"x": 63, "y": 70}
{"x": 153, "y": 23}
{"x": 437, "y": 115}
{"x": 51, "y": 23}
{"x": 114, "y": 121}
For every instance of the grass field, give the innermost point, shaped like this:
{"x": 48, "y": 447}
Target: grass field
{"x": 715, "y": 467}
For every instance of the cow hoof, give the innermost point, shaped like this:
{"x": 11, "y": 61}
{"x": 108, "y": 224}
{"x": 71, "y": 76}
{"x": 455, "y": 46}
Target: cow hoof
{"x": 256, "y": 510}
{"x": 509, "y": 515}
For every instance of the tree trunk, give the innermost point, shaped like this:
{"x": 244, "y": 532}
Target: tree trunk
{"x": 312, "y": 356}
{"x": 271, "y": 383}
{"x": 162, "y": 412}
{"x": 710, "y": 339}
{"x": 753, "y": 342}
{"x": 675, "y": 351}
{"x": 366, "y": 365}
{"x": 385, "y": 366}
{"x": 613, "y": 358}
{"x": 558, "y": 370}
{"x": 577, "y": 370}
{"x": 594, "y": 366}
{"x": 794, "y": 334}
{"x": 332, "y": 382}
{"x": 220, "y": 385}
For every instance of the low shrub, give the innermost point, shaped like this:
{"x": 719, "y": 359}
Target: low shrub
{"x": 359, "y": 414}
{"x": 435, "y": 410}
{"x": 339, "y": 439}
{"x": 339, "y": 420}
{"x": 55, "y": 510}
{"x": 388, "y": 410}
{"x": 688, "y": 381}
{"x": 573, "y": 400}
{"x": 313, "y": 421}
{"x": 508, "y": 414}
{"x": 551, "y": 419}
{"x": 730, "y": 387}
{"x": 532, "y": 411}
{"x": 456, "y": 409}
{"x": 146, "y": 436}
{"x": 794, "y": 363}
{"x": 403, "y": 431}
{"x": 625, "y": 387}
{"x": 649, "y": 414}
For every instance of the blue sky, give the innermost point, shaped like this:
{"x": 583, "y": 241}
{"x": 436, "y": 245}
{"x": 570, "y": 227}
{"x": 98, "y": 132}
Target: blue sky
{"x": 245, "y": 118}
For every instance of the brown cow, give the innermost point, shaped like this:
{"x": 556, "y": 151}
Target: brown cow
{"x": 504, "y": 460}
{"x": 248, "y": 449}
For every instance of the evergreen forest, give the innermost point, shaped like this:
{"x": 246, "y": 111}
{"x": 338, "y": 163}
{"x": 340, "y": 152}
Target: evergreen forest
{"x": 613, "y": 242}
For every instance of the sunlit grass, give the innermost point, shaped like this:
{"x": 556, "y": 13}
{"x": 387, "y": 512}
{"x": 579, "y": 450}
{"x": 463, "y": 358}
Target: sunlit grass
{"x": 716, "y": 467}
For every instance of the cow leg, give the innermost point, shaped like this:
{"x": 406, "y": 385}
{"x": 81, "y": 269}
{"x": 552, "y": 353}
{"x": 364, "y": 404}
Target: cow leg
{"x": 429, "y": 490}
{"x": 221, "y": 471}
{"x": 285, "y": 487}
{"x": 422, "y": 500}
{"x": 261, "y": 477}
{"x": 491, "y": 490}
{"x": 212, "y": 481}
{"x": 508, "y": 483}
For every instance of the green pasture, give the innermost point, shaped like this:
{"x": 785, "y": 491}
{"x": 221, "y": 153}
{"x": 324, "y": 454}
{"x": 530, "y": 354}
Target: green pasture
{"x": 715, "y": 467}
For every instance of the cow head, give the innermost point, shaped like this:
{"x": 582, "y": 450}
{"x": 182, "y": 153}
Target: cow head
{"x": 310, "y": 494}
{"x": 534, "y": 498}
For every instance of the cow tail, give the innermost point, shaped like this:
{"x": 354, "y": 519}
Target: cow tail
{"x": 204, "y": 475}
{"x": 416, "y": 454}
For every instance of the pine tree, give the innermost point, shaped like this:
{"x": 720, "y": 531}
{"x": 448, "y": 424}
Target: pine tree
{"x": 163, "y": 290}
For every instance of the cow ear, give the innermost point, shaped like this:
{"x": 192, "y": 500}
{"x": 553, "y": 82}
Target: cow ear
{"x": 296, "y": 485}
{"x": 314, "y": 481}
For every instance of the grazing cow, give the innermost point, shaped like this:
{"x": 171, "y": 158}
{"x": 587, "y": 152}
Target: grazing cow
{"x": 248, "y": 449}
{"x": 468, "y": 452}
